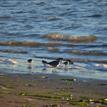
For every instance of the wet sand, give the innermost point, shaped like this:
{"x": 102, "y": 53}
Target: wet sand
{"x": 44, "y": 90}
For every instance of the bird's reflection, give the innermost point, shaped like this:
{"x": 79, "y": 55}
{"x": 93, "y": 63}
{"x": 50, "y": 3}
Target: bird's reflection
{"x": 50, "y": 69}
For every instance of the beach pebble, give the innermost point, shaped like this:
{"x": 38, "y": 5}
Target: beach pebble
{"x": 28, "y": 85}
{"x": 71, "y": 96}
{"x": 91, "y": 101}
{"x": 52, "y": 105}
{"x": 55, "y": 105}
{"x": 67, "y": 99}
{"x": 63, "y": 98}
{"x": 105, "y": 99}
{"x": 45, "y": 106}
{"x": 74, "y": 79}
{"x": 44, "y": 77}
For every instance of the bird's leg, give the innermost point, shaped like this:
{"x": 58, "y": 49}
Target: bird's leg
{"x": 29, "y": 66}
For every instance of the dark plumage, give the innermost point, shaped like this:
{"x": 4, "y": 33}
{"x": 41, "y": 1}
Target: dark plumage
{"x": 29, "y": 60}
{"x": 52, "y": 63}
{"x": 66, "y": 63}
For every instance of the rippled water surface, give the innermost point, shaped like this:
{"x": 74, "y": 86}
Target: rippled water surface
{"x": 47, "y": 29}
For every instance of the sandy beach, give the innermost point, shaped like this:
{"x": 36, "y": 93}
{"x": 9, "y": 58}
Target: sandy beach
{"x": 44, "y": 90}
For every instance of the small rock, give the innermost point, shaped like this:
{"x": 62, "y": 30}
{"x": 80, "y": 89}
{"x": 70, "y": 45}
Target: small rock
{"x": 45, "y": 106}
{"x": 71, "y": 96}
{"x": 67, "y": 99}
{"x": 55, "y": 105}
{"x": 63, "y": 98}
{"x": 28, "y": 85}
{"x": 105, "y": 99}
{"x": 44, "y": 77}
{"x": 74, "y": 79}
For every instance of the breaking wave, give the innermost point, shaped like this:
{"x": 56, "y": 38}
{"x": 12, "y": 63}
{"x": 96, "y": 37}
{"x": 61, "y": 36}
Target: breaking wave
{"x": 30, "y": 44}
{"x": 13, "y": 51}
{"x": 74, "y": 59}
{"x": 95, "y": 53}
{"x": 57, "y": 36}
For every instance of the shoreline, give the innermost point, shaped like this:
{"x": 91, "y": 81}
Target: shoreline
{"x": 49, "y": 90}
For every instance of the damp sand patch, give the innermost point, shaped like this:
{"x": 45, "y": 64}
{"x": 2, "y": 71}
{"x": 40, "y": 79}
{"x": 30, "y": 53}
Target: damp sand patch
{"x": 50, "y": 91}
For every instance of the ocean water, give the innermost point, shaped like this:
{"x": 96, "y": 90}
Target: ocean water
{"x": 48, "y": 29}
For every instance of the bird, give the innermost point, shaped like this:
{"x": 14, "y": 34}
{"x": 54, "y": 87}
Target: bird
{"x": 29, "y": 63}
{"x": 67, "y": 63}
{"x": 29, "y": 60}
{"x": 54, "y": 63}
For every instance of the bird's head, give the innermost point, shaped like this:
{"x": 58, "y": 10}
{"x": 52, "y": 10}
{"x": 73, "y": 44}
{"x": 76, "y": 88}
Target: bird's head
{"x": 29, "y": 60}
{"x": 69, "y": 61}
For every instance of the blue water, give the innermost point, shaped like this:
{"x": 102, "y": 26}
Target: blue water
{"x": 30, "y": 20}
